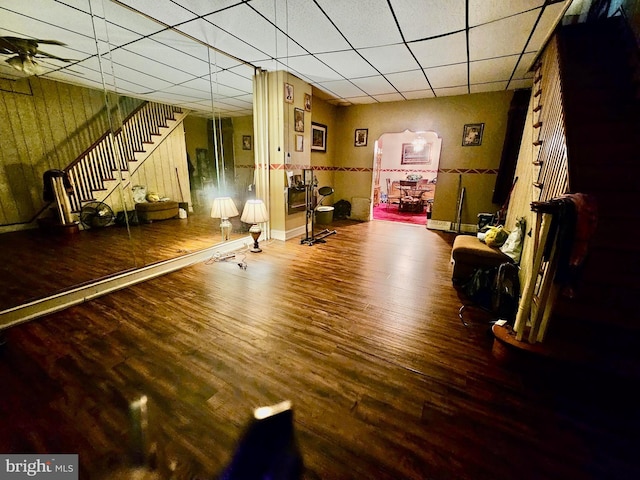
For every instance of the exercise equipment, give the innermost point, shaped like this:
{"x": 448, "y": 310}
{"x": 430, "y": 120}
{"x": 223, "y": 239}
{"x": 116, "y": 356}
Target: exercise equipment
{"x": 311, "y": 237}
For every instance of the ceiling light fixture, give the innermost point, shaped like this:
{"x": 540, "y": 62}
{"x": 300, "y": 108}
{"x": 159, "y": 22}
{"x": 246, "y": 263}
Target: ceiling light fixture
{"x": 25, "y": 64}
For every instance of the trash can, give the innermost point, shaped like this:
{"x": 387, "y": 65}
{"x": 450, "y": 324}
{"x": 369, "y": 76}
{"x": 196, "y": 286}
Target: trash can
{"x": 324, "y": 215}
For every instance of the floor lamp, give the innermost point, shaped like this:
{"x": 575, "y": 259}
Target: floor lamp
{"x": 223, "y": 208}
{"x": 255, "y": 212}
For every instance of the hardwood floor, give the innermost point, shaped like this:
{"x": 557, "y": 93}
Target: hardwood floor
{"x": 38, "y": 263}
{"x": 361, "y": 333}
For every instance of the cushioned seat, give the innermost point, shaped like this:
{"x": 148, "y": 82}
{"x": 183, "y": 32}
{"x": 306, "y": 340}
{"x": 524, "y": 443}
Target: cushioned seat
{"x": 469, "y": 253}
{"x": 150, "y": 211}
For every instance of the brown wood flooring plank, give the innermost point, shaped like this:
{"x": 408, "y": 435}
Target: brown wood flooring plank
{"x": 361, "y": 333}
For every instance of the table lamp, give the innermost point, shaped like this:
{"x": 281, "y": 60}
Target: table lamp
{"x": 255, "y": 212}
{"x": 223, "y": 208}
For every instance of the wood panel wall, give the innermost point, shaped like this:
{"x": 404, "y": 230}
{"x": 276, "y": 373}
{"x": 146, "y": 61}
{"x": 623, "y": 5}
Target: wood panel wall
{"x": 45, "y": 125}
{"x": 160, "y": 172}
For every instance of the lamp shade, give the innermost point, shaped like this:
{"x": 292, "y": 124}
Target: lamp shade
{"x": 223, "y": 207}
{"x": 254, "y": 212}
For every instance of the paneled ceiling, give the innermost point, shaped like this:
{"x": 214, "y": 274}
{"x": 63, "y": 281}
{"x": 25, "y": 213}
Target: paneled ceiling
{"x": 353, "y": 52}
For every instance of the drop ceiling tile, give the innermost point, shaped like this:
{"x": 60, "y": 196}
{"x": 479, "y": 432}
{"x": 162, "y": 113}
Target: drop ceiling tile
{"x": 348, "y": 64}
{"x": 524, "y": 65}
{"x": 407, "y": 81}
{"x": 420, "y": 19}
{"x": 449, "y": 76}
{"x": 390, "y": 58}
{"x": 376, "y": 85}
{"x": 201, "y": 8}
{"x": 366, "y": 100}
{"x": 488, "y": 87}
{"x": 481, "y": 11}
{"x": 389, "y": 97}
{"x": 304, "y": 22}
{"x": 341, "y": 88}
{"x": 551, "y": 15}
{"x": 441, "y": 51}
{"x": 451, "y": 91}
{"x": 417, "y": 94}
{"x": 313, "y": 68}
{"x": 188, "y": 57}
{"x": 365, "y": 23}
{"x": 492, "y": 70}
{"x": 504, "y": 37}
{"x": 150, "y": 67}
{"x": 164, "y": 10}
{"x": 123, "y": 18}
{"x": 211, "y": 35}
{"x": 244, "y": 22}
{"x": 520, "y": 83}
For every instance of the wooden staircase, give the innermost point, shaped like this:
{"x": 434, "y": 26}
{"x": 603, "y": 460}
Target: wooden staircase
{"x": 114, "y": 157}
{"x": 601, "y": 109}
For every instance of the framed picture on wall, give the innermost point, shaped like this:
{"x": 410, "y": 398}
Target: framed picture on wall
{"x": 472, "y": 134}
{"x": 299, "y": 143}
{"x": 288, "y": 93}
{"x": 246, "y": 142}
{"x": 415, "y": 156}
{"x": 307, "y": 102}
{"x": 318, "y": 137}
{"x": 298, "y": 118}
{"x": 361, "y": 137}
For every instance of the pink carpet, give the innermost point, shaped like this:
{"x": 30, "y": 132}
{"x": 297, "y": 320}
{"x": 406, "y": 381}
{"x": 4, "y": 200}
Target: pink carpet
{"x": 380, "y": 212}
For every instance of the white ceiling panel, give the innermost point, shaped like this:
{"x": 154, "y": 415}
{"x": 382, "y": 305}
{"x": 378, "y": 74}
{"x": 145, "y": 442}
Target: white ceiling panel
{"x": 441, "y": 51}
{"x": 389, "y": 97}
{"x": 244, "y": 22}
{"x": 374, "y": 85}
{"x": 341, "y": 88}
{"x": 390, "y": 58}
{"x": 451, "y": 91}
{"x": 313, "y": 68}
{"x": 494, "y": 69}
{"x": 522, "y": 83}
{"x": 418, "y": 94}
{"x": 488, "y": 87}
{"x": 451, "y": 75}
{"x": 348, "y": 64}
{"x": 361, "y": 100}
{"x": 304, "y": 22}
{"x": 483, "y": 11}
{"x": 550, "y": 17}
{"x": 504, "y": 37}
{"x": 165, "y": 11}
{"x": 420, "y": 19}
{"x": 210, "y": 35}
{"x": 524, "y": 65}
{"x": 365, "y": 23}
{"x": 409, "y": 81}
{"x": 315, "y": 40}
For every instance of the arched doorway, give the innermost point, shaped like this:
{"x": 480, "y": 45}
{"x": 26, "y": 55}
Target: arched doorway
{"x": 405, "y": 170}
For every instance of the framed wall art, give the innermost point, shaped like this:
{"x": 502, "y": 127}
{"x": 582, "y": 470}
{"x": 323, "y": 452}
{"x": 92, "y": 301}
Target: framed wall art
{"x": 415, "y": 156}
{"x": 288, "y": 93}
{"x": 307, "y": 102}
{"x": 299, "y": 143}
{"x": 298, "y": 120}
{"x": 246, "y": 142}
{"x": 472, "y": 134}
{"x": 361, "y": 137}
{"x": 318, "y": 137}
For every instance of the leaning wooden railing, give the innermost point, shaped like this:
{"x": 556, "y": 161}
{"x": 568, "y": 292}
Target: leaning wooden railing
{"x": 112, "y": 153}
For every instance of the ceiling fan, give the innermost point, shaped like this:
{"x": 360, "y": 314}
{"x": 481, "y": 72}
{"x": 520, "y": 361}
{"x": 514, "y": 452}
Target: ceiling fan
{"x": 26, "y": 51}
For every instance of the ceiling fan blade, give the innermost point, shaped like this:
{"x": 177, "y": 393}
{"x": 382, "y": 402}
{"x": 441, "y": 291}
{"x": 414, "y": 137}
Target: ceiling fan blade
{"x": 45, "y": 54}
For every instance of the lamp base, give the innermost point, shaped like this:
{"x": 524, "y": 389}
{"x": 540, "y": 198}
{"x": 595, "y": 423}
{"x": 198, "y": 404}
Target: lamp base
{"x": 255, "y": 232}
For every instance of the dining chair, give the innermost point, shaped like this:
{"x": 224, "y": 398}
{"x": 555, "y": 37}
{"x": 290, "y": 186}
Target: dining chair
{"x": 392, "y": 196}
